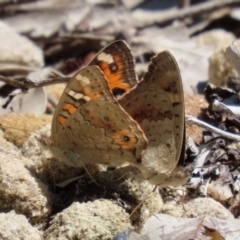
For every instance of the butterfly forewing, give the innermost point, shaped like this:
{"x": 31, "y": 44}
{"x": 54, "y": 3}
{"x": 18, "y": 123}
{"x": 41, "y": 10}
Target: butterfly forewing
{"x": 172, "y": 85}
{"x": 156, "y": 103}
{"x": 89, "y": 126}
{"x": 117, "y": 63}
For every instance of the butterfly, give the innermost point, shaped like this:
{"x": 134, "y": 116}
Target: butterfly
{"x": 105, "y": 115}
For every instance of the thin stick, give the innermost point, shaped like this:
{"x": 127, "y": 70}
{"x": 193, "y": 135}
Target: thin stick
{"x": 201, "y": 8}
{"x": 230, "y": 136}
{"x": 196, "y": 9}
{"x": 29, "y": 84}
{"x": 191, "y": 11}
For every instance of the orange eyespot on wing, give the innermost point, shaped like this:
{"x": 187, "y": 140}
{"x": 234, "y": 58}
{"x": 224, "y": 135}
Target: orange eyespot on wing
{"x": 117, "y": 63}
{"x": 114, "y": 73}
{"x": 126, "y": 139}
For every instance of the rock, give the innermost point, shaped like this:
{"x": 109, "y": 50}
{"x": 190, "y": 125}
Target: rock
{"x": 101, "y": 219}
{"x": 148, "y": 201}
{"x": 27, "y": 124}
{"x": 214, "y": 39}
{"x": 197, "y": 208}
{"x": 15, "y": 226}
{"x": 46, "y": 166}
{"x": 19, "y": 189}
{"x": 219, "y": 69}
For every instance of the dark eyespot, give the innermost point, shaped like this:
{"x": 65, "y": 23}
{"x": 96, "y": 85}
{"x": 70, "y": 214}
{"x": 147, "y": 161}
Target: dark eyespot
{"x": 82, "y": 101}
{"x": 106, "y": 119}
{"x": 118, "y": 92}
{"x": 113, "y": 67}
{"x": 175, "y": 104}
{"x": 126, "y": 138}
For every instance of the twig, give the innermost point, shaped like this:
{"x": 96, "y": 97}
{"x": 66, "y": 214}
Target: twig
{"x": 15, "y": 68}
{"x": 88, "y": 36}
{"x": 41, "y": 5}
{"x": 26, "y": 84}
{"x": 202, "y": 8}
{"x": 209, "y": 127}
{"x": 173, "y": 14}
{"x": 11, "y": 81}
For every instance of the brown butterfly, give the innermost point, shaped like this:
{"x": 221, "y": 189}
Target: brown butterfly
{"x": 145, "y": 127}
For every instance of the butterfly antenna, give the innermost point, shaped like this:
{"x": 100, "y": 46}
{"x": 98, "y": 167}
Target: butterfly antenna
{"x": 90, "y": 175}
{"x": 53, "y": 176}
{"x": 34, "y": 126}
{"x": 122, "y": 176}
{"x": 141, "y": 203}
{"x": 11, "y": 108}
{"x": 5, "y": 126}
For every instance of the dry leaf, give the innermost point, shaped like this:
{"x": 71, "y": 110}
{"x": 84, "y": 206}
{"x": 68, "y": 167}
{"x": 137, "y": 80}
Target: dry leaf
{"x": 161, "y": 226}
{"x": 34, "y": 101}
